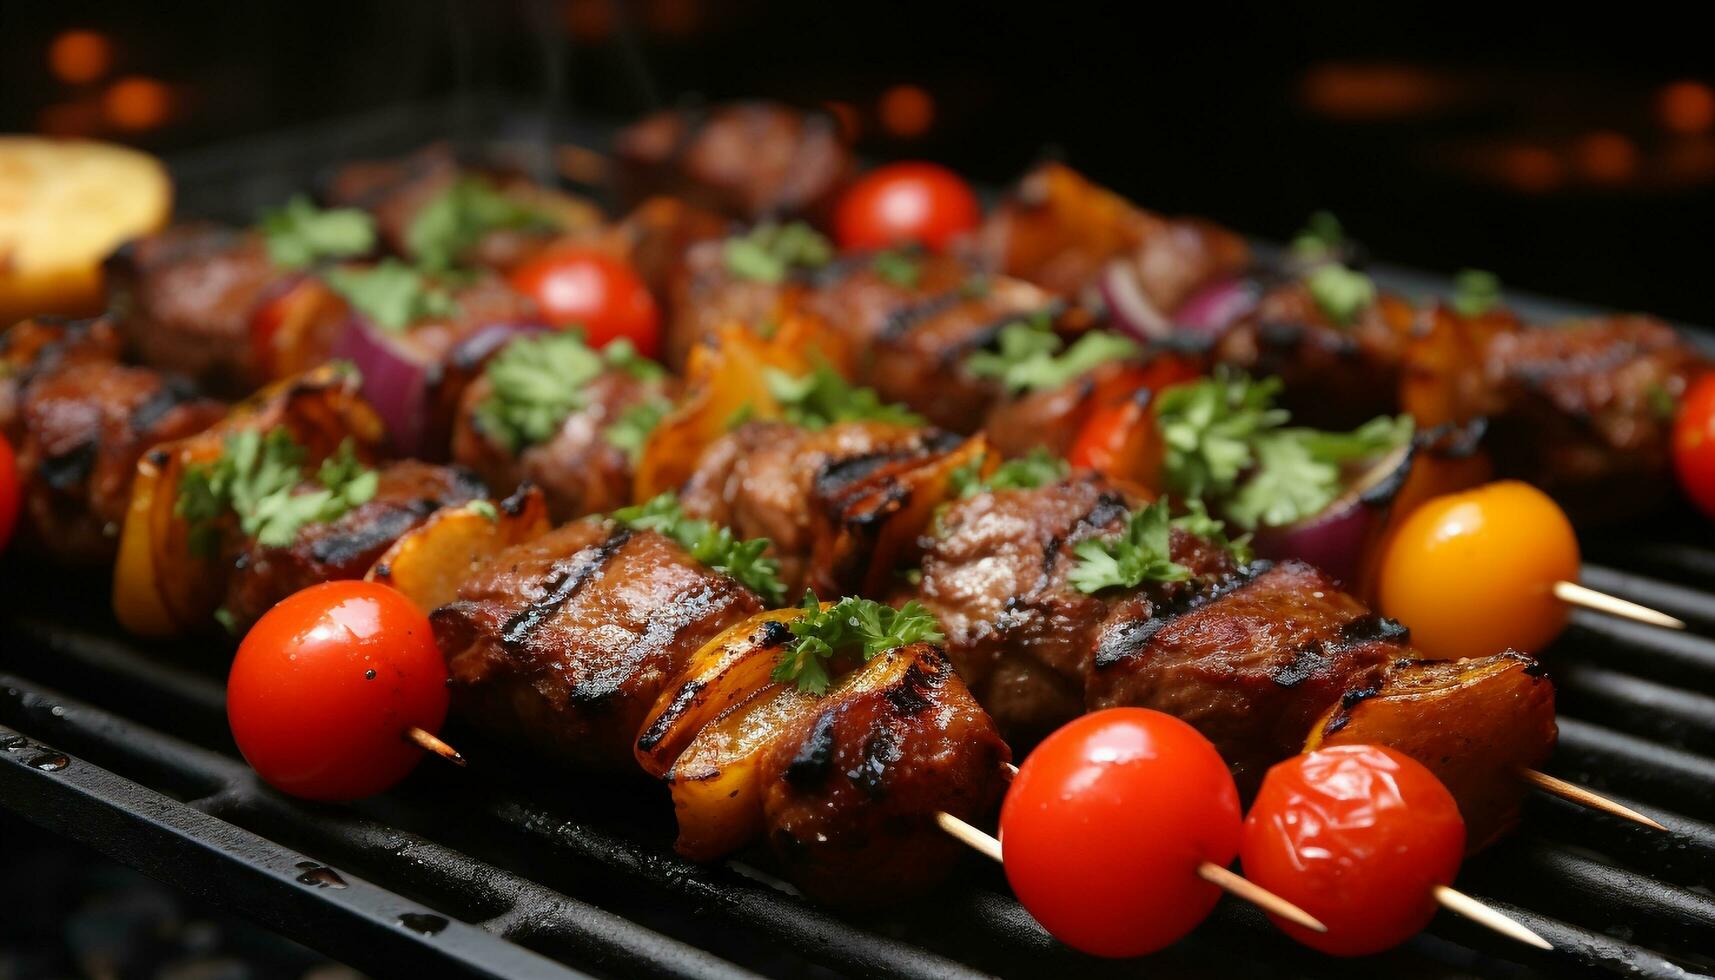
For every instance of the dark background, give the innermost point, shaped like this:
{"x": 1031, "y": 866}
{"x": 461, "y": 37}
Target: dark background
{"x": 1573, "y": 153}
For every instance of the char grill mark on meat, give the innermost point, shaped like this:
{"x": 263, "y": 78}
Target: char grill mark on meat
{"x": 569, "y": 576}
{"x": 850, "y": 790}
{"x": 563, "y": 644}
{"x": 1254, "y": 667}
{"x": 1125, "y": 637}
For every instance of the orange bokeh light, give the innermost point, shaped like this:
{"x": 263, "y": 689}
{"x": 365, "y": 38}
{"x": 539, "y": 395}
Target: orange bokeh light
{"x": 80, "y": 57}
{"x": 1686, "y": 107}
{"x": 1532, "y": 169}
{"x": 136, "y": 103}
{"x": 906, "y": 111}
{"x": 1372, "y": 91}
{"x": 1606, "y": 157}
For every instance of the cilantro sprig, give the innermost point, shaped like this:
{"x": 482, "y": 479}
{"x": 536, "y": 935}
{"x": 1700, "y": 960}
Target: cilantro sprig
{"x": 390, "y": 293}
{"x": 900, "y": 267}
{"x": 1036, "y": 468}
{"x": 536, "y": 382}
{"x": 1475, "y": 292}
{"x": 1298, "y": 471}
{"x": 714, "y": 546}
{"x": 299, "y": 234}
{"x": 1321, "y": 239}
{"x": 850, "y": 627}
{"x": 1030, "y": 356}
{"x": 1197, "y": 521}
{"x": 630, "y": 431}
{"x": 1138, "y": 554}
{"x": 1342, "y": 294}
{"x": 258, "y": 478}
{"x": 770, "y": 252}
{"x": 455, "y": 220}
{"x": 822, "y": 397}
{"x": 1209, "y": 428}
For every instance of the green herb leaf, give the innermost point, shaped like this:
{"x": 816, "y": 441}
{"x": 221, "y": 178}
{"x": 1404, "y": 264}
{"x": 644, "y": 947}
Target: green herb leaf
{"x": 1663, "y": 405}
{"x": 300, "y": 234}
{"x": 1197, "y": 521}
{"x": 1320, "y": 239}
{"x": 1139, "y": 554}
{"x": 1209, "y": 427}
{"x": 1028, "y": 355}
{"x": 899, "y": 267}
{"x": 770, "y": 252}
{"x": 621, "y": 353}
{"x": 850, "y": 627}
{"x": 390, "y": 293}
{"x": 1341, "y": 293}
{"x": 486, "y": 508}
{"x": 535, "y": 383}
{"x": 258, "y": 478}
{"x": 453, "y": 222}
{"x": 1036, "y": 468}
{"x": 1298, "y": 473}
{"x": 1475, "y": 292}
{"x": 822, "y": 397}
{"x": 631, "y": 430}
{"x": 714, "y": 546}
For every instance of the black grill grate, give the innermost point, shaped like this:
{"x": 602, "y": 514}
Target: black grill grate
{"x": 510, "y": 870}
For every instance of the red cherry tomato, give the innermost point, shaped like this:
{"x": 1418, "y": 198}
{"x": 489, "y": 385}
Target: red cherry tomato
{"x": 1359, "y": 836}
{"x": 325, "y": 685}
{"x": 592, "y": 289}
{"x": 1694, "y": 443}
{"x": 9, "y": 495}
{"x": 1106, "y": 824}
{"x": 903, "y": 203}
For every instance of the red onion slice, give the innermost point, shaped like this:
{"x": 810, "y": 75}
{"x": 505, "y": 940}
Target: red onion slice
{"x": 1217, "y": 306}
{"x": 395, "y": 382}
{"x": 1335, "y": 539}
{"x": 1129, "y": 310}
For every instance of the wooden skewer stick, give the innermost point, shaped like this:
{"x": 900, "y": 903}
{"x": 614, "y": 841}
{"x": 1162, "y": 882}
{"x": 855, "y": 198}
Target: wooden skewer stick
{"x": 1584, "y": 797}
{"x": 1588, "y": 598}
{"x": 428, "y": 742}
{"x": 1460, "y": 903}
{"x": 1209, "y": 871}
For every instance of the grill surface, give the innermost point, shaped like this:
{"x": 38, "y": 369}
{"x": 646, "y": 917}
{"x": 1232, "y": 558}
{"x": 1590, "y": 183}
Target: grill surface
{"x": 508, "y": 870}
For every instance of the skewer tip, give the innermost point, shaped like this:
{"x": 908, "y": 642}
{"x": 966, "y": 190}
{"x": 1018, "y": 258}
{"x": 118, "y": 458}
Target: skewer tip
{"x": 1487, "y": 916}
{"x": 429, "y": 742}
{"x": 1555, "y": 786}
{"x": 1241, "y": 887}
{"x": 968, "y": 835}
{"x": 1588, "y": 598}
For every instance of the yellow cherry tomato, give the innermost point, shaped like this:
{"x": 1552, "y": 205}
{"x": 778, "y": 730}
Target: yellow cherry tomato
{"x": 1473, "y": 573}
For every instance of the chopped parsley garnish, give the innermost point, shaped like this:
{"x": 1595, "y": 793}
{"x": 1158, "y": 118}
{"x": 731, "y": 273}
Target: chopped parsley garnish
{"x": 538, "y": 381}
{"x": 257, "y": 479}
{"x": 1139, "y": 554}
{"x": 770, "y": 252}
{"x": 1208, "y": 427}
{"x": 1226, "y": 442}
{"x": 485, "y": 508}
{"x": 1341, "y": 293}
{"x": 899, "y": 267}
{"x": 822, "y": 397}
{"x": 300, "y": 234}
{"x": 714, "y": 546}
{"x": 456, "y": 220}
{"x": 1663, "y": 405}
{"x": 1321, "y": 238}
{"x": 1037, "y": 468}
{"x": 1196, "y": 521}
{"x": 850, "y": 627}
{"x": 1475, "y": 292}
{"x": 390, "y": 293}
{"x": 1029, "y": 355}
{"x": 631, "y": 430}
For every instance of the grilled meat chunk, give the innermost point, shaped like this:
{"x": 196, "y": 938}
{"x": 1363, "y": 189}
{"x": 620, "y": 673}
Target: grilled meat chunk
{"x": 578, "y": 468}
{"x": 749, "y": 160}
{"x": 850, "y": 790}
{"x": 1584, "y": 410}
{"x": 563, "y": 643}
{"x": 33, "y": 347}
{"x": 1252, "y": 660}
{"x": 344, "y": 548}
{"x": 1335, "y": 376}
{"x": 184, "y": 299}
{"x": 1021, "y": 635}
{"x": 833, "y": 502}
{"x": 78, "y": 430}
